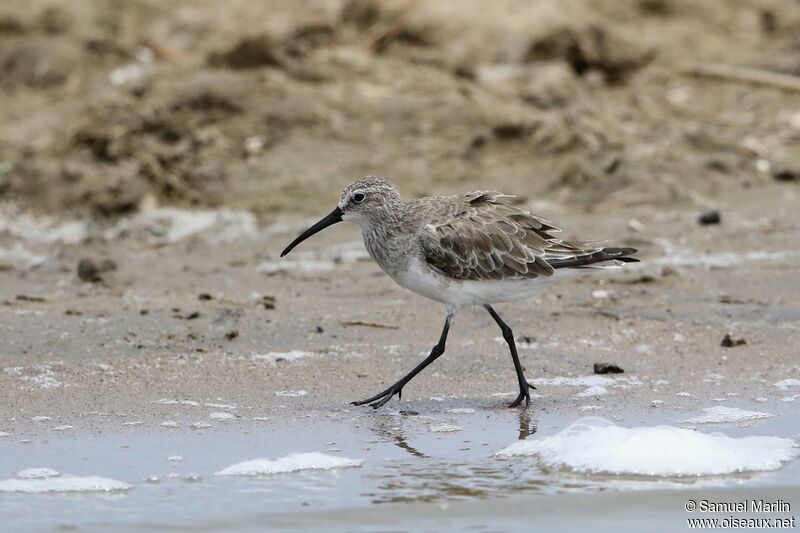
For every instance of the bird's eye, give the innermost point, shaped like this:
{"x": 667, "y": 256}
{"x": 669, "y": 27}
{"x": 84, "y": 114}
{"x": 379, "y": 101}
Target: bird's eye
{"x": 359, "y": 197}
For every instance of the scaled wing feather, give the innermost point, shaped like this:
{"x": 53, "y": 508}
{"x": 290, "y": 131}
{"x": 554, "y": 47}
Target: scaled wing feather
{"x": 487, "y": 238}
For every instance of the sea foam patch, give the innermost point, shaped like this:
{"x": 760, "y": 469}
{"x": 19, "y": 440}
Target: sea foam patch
{"x": 291, "y": 393}
{"x": 37, "y": 473}
{"x": 785, "y": 384}
{"x": 40, "y": 375}
{"x": 720, "y": 414}
{"x": 292, "y": 355}
{"x": 594, "y": 385}
{"x": 444, "y": 428}
{"x": 597, "y": 445}
{"x": 295, "y": 462}
{"x": 42, "y": 480}
{"x": 582, "y": 381}
{"x": 221, "y": 415}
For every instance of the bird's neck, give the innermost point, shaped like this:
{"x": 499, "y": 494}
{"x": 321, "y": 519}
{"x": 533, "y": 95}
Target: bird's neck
{"x": 389, "y": 242}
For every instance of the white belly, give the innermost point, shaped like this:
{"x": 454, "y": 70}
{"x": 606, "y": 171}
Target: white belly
{"x": 425, "y": 282}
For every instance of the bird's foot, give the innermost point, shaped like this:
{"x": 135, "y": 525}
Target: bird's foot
{"x": 524, "y": 394}
{"x": 382, "y": 398}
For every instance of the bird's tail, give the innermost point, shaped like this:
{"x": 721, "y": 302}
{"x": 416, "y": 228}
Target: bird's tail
{"x": 598, "y": 259}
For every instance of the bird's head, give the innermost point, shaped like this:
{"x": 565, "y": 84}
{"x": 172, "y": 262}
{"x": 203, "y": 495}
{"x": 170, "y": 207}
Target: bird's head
{"x": 372, "y": 200}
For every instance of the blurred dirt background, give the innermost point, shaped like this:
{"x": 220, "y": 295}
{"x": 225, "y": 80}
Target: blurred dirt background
{"x": 155, "y": 157}
{"x": 109, "y": 105}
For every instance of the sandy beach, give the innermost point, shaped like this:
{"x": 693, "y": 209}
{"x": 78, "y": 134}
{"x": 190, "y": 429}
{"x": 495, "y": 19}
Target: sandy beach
{"x": 217, "y": 352}
{"x": 162, "y": 368}
{"x": 230, "y": 322}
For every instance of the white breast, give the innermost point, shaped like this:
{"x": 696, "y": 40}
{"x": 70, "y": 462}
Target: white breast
{"x": 428, "y": 283}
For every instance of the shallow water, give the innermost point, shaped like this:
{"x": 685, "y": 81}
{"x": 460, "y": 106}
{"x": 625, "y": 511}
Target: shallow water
{"x": 448, "y": 481}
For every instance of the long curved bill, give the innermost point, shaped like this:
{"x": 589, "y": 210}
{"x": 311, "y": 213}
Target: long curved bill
{"x": 334, "y": 217}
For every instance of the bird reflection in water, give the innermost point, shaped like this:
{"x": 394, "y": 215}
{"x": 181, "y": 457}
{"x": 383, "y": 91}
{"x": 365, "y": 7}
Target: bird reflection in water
{"x": 441, "y": 469}
{"x": 526, "y": 429}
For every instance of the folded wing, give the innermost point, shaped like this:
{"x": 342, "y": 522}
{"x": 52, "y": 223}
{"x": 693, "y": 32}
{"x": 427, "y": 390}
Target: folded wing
{"x": 487, "y": 238}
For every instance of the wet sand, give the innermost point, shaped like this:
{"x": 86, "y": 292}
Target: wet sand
{"x": 112, "y": 378}
{"x": 192, "y": 141}
{"x": 189, "y": 321}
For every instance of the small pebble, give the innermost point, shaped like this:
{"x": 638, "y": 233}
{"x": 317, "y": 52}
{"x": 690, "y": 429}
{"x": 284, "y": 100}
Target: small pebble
{"x": 730, "y": 342}
{"x": 607, "y": 368}
{"x": 709, "y": 217}
{"x": 91, "y": 270}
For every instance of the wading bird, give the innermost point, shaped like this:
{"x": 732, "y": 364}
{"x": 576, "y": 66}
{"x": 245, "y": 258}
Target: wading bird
{"x": 473, "y": 249}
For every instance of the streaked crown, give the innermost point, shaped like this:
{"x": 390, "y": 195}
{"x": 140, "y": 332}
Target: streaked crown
{"x": 369, "y": 199}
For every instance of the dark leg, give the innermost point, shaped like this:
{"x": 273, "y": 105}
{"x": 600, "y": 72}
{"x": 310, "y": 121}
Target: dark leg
{"x": 508, "y": 335}
{"x": 382, "y": 398}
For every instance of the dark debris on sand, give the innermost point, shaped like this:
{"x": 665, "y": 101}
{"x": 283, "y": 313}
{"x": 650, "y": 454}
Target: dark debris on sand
{"x": 730, "y": 342}
{"x": 709, "y": 217}
{"x": 607, "y": 368}
{"x": 92, "y": 270}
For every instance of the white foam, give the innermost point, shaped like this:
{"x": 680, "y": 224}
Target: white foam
{"x": 590, "y": 407}
{"x": 595, "y": 385}
{"x": 222, "y": 416}
{"x": 592, "y": 391}
{"x": 168, "y": 401}
{"x": 721, "y": 414}
{"x": 201, "y": 425}
{"x": 220, "y": 406}
{"x": 174, "y": 458}
{"x": 461, "y": 411}
{"x": 63, "y": 484}
{"x": 65, "y": 427}
{"x": 3, "y": 434}
{"x": 295, "y": 462}
{"x": 786, "y": 383}
{"x": 444, "y": 428}
{"x": 596, "y": 445}
{"x": 292, "y": 355}
{"x": 290, "y": 393}
{"x": 40, "y": 418}
{"x": 169, "y": 424}
{"x": 583, "y": 381}
{"x": 37, "y": 473}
